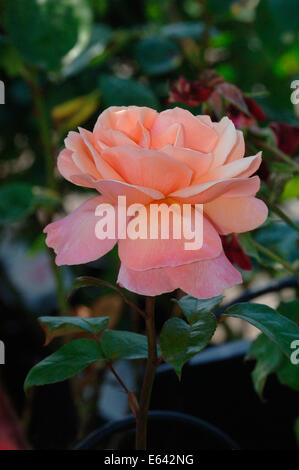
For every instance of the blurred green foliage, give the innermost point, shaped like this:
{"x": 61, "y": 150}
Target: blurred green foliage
{"x": 63, "y": 62}
{"x": 70, "y": 48}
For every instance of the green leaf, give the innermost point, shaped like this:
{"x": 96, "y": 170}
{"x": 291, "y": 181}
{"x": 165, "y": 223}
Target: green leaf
{"x": 48, "y": 32}
{"x": 193, "y": 307}
{"x": 158, "y": 55}
{"x": 123, "y": 345}
{"x": 219, "y": 7}
{"x": 123, "y": 92}
{"x": 89, "y": 281}
{"x": 288, "y": 374}
{"x": 285, "y": 13}
{"x": 45, "y": 197}
{"x": 16, "y": 202}
{"x": 275, "y": 326}
{"x": 290, "y": 310}
{"x": 79, "y": 353}
{"x": 19, "y": 200}
{"x": 64, "y": 363}
{"x": 268, "y": 357}
{"x": 296, "y": 429}
{"x": 100, "y": 36}
{"x": 37, "y": 245}
{"x": 280, "y": 167}
{"x": 180, "y": 340}
{"x": 291, "y": 189}
{"x": 59, "y": 326}
{"x": 246, "y": 242}
{"x": 190, "y": 29}
{"x": 280, "y": 238}
{"x": 233, "y": 95}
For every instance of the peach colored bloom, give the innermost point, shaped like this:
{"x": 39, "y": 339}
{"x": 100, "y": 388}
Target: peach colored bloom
{"x": 148, "y": 157}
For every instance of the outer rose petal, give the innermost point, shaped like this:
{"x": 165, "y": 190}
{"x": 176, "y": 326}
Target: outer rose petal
{"x": 238, "y": 151}
{"x": 142, "y": 254}
{"x": 242, "y": 168}
{"x": 68, "y": 169}
{"x": 206, "y": 192}
{"x": 134, "y": 194}
{"x": 197, "y": 134}
{"x": 205, "y": 118}
{"x": 227, "y": 140}
{"x": 207, "y": 278}
{"x": 81, "y": 154}
{"x": 148, "y": 168}
{"x": 73, "y": 237}
{"x": 202, "y": 279}
{"x": 151, "y": 282}
{"x": 236, "y": 214}
{"x": 103, "y": 167}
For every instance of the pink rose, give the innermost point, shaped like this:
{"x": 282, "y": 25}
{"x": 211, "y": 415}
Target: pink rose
{"x": 151, "y": 157}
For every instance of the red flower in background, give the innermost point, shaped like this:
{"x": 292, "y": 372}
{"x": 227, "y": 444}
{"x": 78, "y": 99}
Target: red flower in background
{"x": 190, "y": 92}
{"x": 235, "y": 252}
{"x": 286, "y": 136}
{"x": 255, "y": 110}
{"x": 287, "y": 140}
{"x": 223, "y": 98}
{"x": 241, "y": 119}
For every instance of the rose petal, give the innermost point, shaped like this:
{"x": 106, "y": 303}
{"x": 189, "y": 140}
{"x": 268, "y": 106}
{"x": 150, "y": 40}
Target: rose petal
{"x": 141, "y": 254}
{"x": 134, "y": 194}
{"x": 173, "y": 135}
{"x": 148, "y": 168}
{"x": 197, "y": 161}
{"x": 197, "y": 134}
{"x": 227, "y": 140}
{"x": 103, "y": 167}
{"x": 129, "y": 120}
{"x": 202, "y": 279}
{"x": 206, "y": 192}
{"x": 82, "y": 156}
{"x": 242, "y": 168}
{"x": 152, "y": 282}
{"x": 236, "y": 214}
{"x": 73, "y": 238}
{"x": 238, "y": 151}
{"x": 112, "y": 138}
{"x": 70, "y": 171}
{"x": 208, "y": 278}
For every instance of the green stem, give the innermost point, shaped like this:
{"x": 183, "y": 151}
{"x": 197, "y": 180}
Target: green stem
{"x": 281, "y": 155}
{"x": 275, "y": 257}
{"x": 45, "y": 134}
{"x": 60, "y": 289}
{"x": 141, "y": 420}
{"x": 44, "y": 128}
{"x": 281, "y": 214}
{"x": 43, "y": 124}
{"x": 120, "y": 381}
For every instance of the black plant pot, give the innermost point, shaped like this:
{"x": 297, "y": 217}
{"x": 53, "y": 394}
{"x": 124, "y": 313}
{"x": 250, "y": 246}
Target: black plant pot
{"x": 216, "y": 386}
{"x": 166, "y": 430}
